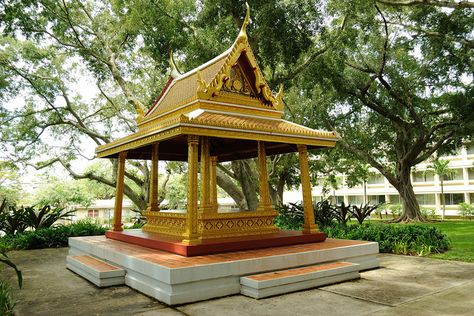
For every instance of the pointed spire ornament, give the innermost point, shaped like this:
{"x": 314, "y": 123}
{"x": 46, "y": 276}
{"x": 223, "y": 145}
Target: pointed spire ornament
{"x": 243, "y": 30}
{"x": 175, "y": 73}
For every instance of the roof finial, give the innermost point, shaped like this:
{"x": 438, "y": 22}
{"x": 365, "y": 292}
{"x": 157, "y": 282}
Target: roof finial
{"x": 279, "y": 98}
{"x": 175, "y": 74}
{"x": 243, "y": 30}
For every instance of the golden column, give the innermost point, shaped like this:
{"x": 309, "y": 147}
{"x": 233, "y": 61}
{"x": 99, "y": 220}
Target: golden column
{"x": 205, "y": 175}
{"x": 213, "y": 176}
{"x": 153, "y": 202}
{"x": 264, "y": 202}
{"x": 309, "y": 224}
{"x": 191, "y": 235}
{"x": 119, "y": 192}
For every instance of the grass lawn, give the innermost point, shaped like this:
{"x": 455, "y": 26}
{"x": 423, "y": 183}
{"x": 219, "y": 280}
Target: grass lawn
{"x": 461, "y": 235}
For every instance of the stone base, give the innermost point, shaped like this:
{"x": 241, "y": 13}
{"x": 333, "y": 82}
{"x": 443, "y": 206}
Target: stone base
{"x": 290, "y": 280}
{"x": 96, "y": 271}
{"x": 175, "y": 279}
{"x": 176, "y": 245}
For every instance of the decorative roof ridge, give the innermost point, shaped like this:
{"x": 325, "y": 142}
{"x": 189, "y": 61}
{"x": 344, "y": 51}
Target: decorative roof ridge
{"x": 203, "y": 66}
{"x": 240, "y": 45}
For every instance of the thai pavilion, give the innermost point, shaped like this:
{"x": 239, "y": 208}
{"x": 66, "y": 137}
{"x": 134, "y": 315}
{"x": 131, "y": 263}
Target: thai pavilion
{"x": 220, "y": 111}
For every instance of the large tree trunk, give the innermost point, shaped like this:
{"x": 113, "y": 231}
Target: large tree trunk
{"x": 226, "y": 183}
{"x": 276, "y": 194}
{"x": 411, "y": 208}
{"x": 245, "y": 172}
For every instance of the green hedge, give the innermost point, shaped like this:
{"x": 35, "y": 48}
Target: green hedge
{"x": 7, "y": 303}
{"x": 51, "y": 237}
{"x": 395, "y": 238}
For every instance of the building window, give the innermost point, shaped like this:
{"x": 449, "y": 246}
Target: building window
{"x": 339, "y": 199}
{"x": 376, "y": 179}
{"x": 92, "y": 213}
{"x": 426, "y": 199}
{"x": 375, "y": 199}
{"x": 470, "y": 150}
{"x": 453, "y": 198}
{"x": 471, "y": 173}
{"x": 423, "y": 176}
{"x": 356, "y": 199}
{"x": 395, "y": 199}
{"x": 317, "y": 198}
{"x": 471, "y": 197}
{"x": 456, "y": 174}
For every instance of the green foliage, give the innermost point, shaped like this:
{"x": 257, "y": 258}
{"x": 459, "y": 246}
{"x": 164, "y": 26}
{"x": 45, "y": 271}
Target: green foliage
{"x": 12, "y": 219}
{"x": 466, "y": 210}
{"x": 324, "y": 213}
{"x": 176, "y": 192}
{"x": 395, "y": 210}
{"x": 52, "y": 237}
{"x": 393, "y": 238}
{"x": 428, "y": 213}
{"x": 363, "y": 211}
{"x": 461, "y": 235}
{"x": 290, "y": 216}
{"x": 64, "y": 192}
{"x": 10, "y": 187}
{"x": 6, "y": 261}
{"x": 6, "y": 300}
{"x": 343, "y": 213}
{"x": 136, "y": 225}
{"x": 46, "y": 216}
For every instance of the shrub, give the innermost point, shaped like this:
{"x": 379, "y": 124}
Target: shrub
{"x": 343, "y": 213}
{"x": 15, "y": 220}
{"x": 428, "y": 212}
{"x": 466, "y": 210}
{"x": 52, "y": 237}
{"x": 290, "y": 216}
{"x": 12, "y": 220}
{"x": 5, "y": 260}
{"x": 395, "y": 210}
{"x": 324, "y": 213}
{"x": 45, "y": 216}
{"x": 392, "y": 238}
{"x": 364, "y": 211}
{"x": 6, "y": 300}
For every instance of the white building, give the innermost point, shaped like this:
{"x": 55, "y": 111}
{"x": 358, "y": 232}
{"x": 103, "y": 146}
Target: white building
{"x": 458, "y": 187}
{"x": 103, "y": 211}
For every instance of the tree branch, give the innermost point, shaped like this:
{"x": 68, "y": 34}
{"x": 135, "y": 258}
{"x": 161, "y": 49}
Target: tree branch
{"x": 434, "y": 3}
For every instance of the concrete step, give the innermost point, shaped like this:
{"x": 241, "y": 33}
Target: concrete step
{"x": 290, "y": 280}
{"x": 95, "y": 270}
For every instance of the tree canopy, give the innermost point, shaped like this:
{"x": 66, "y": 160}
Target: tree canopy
{"x": 393, "y": 78}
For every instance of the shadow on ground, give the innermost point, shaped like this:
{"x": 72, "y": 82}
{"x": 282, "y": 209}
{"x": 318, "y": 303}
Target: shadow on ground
{"x": 403, "y": 286}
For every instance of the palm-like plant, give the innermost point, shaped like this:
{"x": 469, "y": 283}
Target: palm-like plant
{"x": 5, "y": 260}
{"x": 46, "y": 216}
{"x": 12, "y": 220}
{"x": 441, "y": 168}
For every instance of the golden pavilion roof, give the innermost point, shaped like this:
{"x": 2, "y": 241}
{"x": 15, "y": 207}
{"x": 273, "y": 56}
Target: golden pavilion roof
{"x": 226, "y": 98}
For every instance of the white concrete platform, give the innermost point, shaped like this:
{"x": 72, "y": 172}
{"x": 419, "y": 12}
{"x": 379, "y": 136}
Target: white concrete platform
{"x": 174, "y": 279}
{"x": 96, "y": 271}
{"x": 290, "y": 280}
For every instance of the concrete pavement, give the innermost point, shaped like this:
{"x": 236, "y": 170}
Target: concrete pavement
{"x": 403, "y": 286}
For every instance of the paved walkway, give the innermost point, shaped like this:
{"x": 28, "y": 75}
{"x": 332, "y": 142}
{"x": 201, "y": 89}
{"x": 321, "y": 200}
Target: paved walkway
{"x": 403, "y": 286}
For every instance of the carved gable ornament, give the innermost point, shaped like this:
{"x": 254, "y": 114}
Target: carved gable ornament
{"x": 240, "y": 74}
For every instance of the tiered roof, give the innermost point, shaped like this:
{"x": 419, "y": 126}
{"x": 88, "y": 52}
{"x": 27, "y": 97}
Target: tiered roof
{"x": 226, "y": 98}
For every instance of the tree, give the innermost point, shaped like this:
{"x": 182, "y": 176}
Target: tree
{"x": 122, "y": 49}
{"x": 360, "y": 175}
{"x": 441, "y": 168}
{"x": 9, "y": 182}
{"x": 395, "y": 94}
